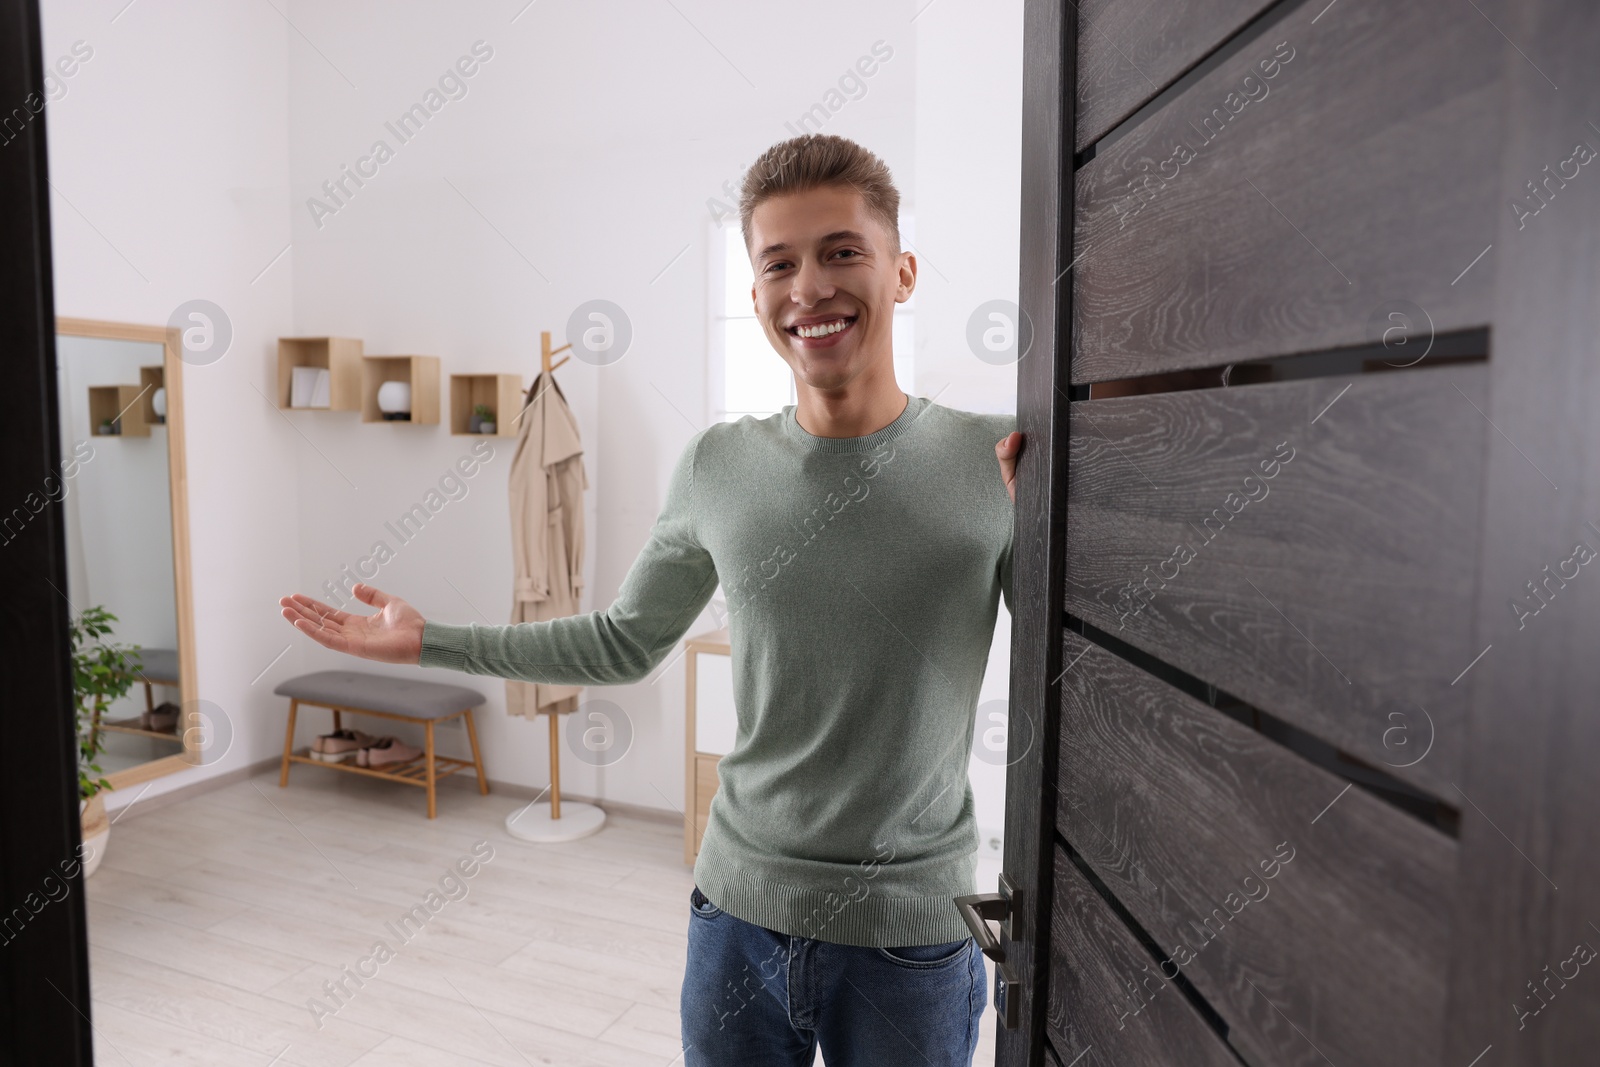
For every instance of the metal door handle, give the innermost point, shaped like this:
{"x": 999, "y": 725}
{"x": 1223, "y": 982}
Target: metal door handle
{"x": 977, "y": 909}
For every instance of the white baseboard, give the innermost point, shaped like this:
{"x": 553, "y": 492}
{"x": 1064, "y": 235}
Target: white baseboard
{"x": 139, "y": 806}
{"x": 506, "y": 789}
{"x": 638, "y": 811}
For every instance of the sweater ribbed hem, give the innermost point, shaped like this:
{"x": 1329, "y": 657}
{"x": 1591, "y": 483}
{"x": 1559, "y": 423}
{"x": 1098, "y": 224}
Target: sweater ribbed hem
{"x": 856, "y": 910}
{"x": 915, "y": 406}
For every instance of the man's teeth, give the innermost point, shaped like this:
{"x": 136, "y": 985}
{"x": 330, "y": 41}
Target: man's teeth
{"x": 822, "y": 330}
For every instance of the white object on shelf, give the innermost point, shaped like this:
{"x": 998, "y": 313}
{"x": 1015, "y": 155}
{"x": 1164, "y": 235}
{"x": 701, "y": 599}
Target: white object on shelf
{"x": 394, "y": 397}
{"x": 309, "y": 387}
{"x": 158, "y": 403}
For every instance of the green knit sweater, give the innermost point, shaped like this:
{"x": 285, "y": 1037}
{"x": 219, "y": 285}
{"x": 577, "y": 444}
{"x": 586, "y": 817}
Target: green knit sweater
{"x": 862, "y": 576}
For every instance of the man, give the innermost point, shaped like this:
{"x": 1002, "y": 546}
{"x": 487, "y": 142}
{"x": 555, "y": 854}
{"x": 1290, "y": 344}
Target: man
{"x": 864, "y": 543}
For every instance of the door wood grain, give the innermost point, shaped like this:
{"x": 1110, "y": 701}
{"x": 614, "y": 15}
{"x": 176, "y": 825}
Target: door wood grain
{"x": 1284, "y": 894}
{"x": 1110, "y": 1001}
{"x": 1309, "y": 547}
{"x": 1259, "y": 215}
{"x": 1130, "y": 50}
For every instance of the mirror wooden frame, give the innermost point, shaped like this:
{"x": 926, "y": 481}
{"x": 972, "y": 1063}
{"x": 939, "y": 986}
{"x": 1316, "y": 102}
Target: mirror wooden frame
{"x": 189, "y": 728}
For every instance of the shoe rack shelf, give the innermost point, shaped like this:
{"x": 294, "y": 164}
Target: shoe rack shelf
{"x": 427, "y": 770}
{"x": 132, "y": 725}
{"x": 135, "y": 724}
{"x": 414, "y": 771}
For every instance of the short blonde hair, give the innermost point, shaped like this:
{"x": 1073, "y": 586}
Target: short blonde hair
{"x": 818, "y": 159}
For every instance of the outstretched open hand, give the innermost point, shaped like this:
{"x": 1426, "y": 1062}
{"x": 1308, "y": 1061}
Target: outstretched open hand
{"x": 393, "y": 635}
{"x": 1007, "y": 451}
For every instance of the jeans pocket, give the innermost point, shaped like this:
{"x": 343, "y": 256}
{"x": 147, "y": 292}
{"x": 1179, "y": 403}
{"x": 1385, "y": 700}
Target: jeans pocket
{"x": 701, "y": 906}
{"x": 925, "y": 957}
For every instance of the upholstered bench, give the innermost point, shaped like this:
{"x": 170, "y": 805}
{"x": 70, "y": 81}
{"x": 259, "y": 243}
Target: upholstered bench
{"x": 152, "y": 667}
{"x": 361, "y": 693}
{"x": 158, "y": 665}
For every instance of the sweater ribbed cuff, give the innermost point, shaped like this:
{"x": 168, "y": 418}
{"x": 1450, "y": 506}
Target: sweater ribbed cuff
{"x": 445, "y": 645}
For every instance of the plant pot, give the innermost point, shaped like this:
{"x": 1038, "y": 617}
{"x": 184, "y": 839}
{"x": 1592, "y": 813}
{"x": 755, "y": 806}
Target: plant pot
{"x": 486, "y": 427}
{"x": 96, "y": 831}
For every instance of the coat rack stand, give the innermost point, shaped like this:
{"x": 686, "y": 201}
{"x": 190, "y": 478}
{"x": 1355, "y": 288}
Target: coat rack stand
{"x": 546, "y": 352}
{"x": 544, "y": 821}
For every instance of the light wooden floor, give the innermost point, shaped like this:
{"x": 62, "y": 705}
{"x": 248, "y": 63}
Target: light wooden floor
{"x": 213, "y": 920}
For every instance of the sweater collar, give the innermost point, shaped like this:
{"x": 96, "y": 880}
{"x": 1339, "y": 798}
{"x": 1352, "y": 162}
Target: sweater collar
{"x": 914, "y": 409}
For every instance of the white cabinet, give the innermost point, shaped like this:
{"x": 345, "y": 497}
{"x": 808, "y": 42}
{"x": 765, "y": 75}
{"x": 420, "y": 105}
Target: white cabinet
{"x": 715, "y": 723}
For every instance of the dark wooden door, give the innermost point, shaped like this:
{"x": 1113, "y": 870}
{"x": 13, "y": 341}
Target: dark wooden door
{"x": 1308, "y": 647}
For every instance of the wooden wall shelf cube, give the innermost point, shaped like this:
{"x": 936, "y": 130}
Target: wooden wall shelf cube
{"x": 151, "y": 378}
{"x": 121, "y": 403}
{"x": 341, "y": 356}
{"x": 421, "y": 371}
{"x": 500, "y": 393}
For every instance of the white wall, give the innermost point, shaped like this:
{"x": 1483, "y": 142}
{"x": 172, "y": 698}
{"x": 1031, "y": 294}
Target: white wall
{"x": 579, "y": 164}
{"x": 969, "y": 178}
{"x": 168, "y": 157}
{"x": 968, "y": 191}
{"x": 585, "y": 150}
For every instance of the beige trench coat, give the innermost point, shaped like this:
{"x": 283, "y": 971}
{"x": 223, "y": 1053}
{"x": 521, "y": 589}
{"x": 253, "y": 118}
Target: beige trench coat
{"x": 547, "y": 484}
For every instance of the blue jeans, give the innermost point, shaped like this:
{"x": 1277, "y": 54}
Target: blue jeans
{"x": 753, "y": 997}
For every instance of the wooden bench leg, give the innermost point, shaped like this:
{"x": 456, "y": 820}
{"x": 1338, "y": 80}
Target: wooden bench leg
{"x": 288, "y": 744}
{"x": 477, "y": 757}
{"x": 433, "y": 808}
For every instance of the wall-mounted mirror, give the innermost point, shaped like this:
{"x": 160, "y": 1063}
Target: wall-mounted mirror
{"x": 120, "y": 393}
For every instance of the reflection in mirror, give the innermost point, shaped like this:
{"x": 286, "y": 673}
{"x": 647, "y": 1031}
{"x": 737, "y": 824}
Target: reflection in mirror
{"x": 116, "y": 499}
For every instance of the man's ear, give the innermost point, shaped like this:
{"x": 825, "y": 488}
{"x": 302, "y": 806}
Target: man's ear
{"x": 908, "y": 277}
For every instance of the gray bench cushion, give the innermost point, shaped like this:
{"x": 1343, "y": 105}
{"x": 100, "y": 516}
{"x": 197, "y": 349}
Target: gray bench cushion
{"x": 157, "y": 664}
{"x": 358, "y": 689}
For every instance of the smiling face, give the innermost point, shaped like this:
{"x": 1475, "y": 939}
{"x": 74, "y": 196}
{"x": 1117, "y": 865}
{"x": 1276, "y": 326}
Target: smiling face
{"x": 826, "y": 283}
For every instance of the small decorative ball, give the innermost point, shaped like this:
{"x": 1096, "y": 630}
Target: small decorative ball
{"x": 394, "y": 397}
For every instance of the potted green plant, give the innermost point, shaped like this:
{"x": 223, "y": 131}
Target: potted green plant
{"x": 101, "y": 674}
{"x": 482, "y": 419}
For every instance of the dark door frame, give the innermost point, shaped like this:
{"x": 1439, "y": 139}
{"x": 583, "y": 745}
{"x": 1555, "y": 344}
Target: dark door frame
{"x": 1049, "y": 91}
{"x": 44, "y": 944}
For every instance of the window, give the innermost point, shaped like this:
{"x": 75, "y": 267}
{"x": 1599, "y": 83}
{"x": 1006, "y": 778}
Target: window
{"x": 747, "y": 376}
